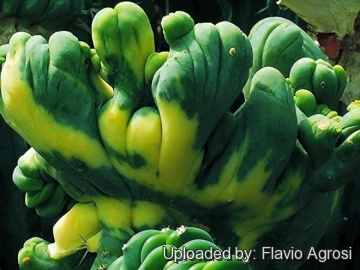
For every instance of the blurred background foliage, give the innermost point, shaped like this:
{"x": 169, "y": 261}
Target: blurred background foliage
{"x": 18, "y": 223}
{"x": 243, "y": 13}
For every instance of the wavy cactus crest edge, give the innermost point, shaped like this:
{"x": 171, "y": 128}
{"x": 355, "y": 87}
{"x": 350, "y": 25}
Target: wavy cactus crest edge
{"x": 144, "y": 140}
